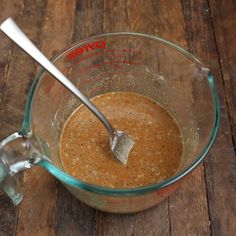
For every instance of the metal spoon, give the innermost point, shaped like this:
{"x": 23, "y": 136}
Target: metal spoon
{"x": 120, "y": 142}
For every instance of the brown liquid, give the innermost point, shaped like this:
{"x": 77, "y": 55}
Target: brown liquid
{"x": 156, "y": 155}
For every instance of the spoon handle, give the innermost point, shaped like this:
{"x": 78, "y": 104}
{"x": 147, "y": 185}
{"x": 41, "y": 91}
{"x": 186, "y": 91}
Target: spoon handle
{"x": 10, "y": 28}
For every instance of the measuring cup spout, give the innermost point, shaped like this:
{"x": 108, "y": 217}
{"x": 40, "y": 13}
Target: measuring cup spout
{"x": 17, "y": 153}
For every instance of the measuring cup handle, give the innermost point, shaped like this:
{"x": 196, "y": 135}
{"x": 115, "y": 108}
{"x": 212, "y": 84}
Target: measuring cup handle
{"x": 16, "y": 154}
{"x": 11, "y": 186}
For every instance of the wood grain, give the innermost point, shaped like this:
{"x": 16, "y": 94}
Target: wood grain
{"x": 88, "y": 19}
{"x": 7, "y": 9}
{"x": 189, "y": 203}
{"x": 221, "y": 163}
{"x": 205, "y": 204}
{"x": 115, "y": 16}
{"x": 21, "y": 70}
{"x": 223, "y": 23}
{"x": 221, "y": 166}
{"x": 8, "y": 212}
{"x": 113, "y": 224}
{"x": 138, "y": 17}
{"x": 72, "y": 216}
{"x": 154, "y": 221}
{"x": 43, "y": 21}
{"x": 186, "y": 209}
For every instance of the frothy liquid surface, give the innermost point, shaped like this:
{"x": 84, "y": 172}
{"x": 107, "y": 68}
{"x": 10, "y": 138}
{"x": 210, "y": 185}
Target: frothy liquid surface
{"x": 156, "y": 155}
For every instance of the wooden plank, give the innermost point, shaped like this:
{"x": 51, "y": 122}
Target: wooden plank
{"x": 7, "y": 9}
{"x": 150, "y": 222}
{"x": 145, "y": 17}
{"x": 45, "y": 23}
{"x": 114, "y": 224}
{"x": 182, "y": 208}
{"x": 21, "y": 72}
{"x": 8, "y": 212}
{"x": 58, "y": 26}
{"x": 224, "y": 21}
{"x": 115, "y": 16}
{"x": 133, "y": 16}
{"x": 11, "y": 116}
{"x": 88, "y": 19}
{"x": 154, "y": 221}
{"x": 191, "y": 207}
{"x": 73, "y": 217}
{"x": 8, "y": 217}
{"x": 221, "y": 166}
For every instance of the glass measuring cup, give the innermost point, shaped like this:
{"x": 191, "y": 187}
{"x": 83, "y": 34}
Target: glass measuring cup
{"x": 130, "y": 62}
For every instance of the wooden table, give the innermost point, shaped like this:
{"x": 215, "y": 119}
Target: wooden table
{"x": 206, "y": 203}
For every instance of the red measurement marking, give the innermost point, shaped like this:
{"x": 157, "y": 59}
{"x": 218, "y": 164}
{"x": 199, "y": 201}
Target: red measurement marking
{"x": 88, "y": 56}
{"x": 86, "y": 48}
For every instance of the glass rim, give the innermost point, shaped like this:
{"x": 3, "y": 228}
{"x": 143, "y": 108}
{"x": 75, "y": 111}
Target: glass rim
{"x": 68, "y": 179}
